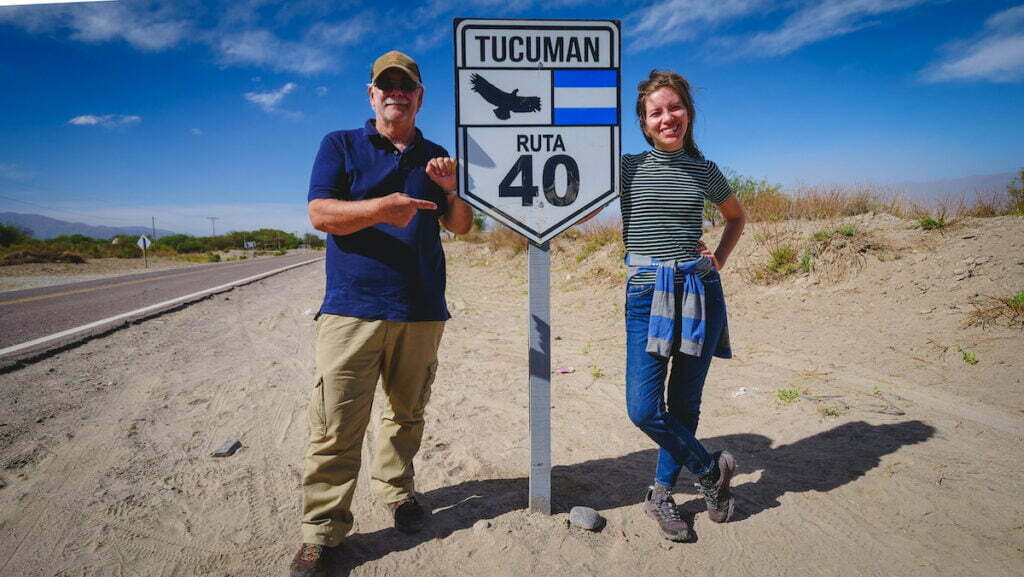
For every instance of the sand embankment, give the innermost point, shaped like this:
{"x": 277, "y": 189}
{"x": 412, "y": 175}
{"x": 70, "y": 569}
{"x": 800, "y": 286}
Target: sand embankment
{"x": 104, "y": 448}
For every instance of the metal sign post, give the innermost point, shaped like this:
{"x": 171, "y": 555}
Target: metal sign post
{"x": 540, "y": 377}
{"x": 537, "y": 133}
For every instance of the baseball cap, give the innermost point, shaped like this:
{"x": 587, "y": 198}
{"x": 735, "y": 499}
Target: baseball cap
{"x": 395, "y": 59}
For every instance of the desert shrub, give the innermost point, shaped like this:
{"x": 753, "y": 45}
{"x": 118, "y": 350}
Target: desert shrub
{"x": 504, "y": 238}
{"x": 787, "y": 396}
{"x": 986, "y": 206}
{"x": 10, "y": 234}
{"x": 782, "y": 260}
{"x": 1016, "y": 192}
{"x": 932, "y": 223}
{"x": 805, "y": 260}
{"x": 212, "y": 257}
{"x": 40, "y": 254}
{"x": 591, "y": 238}
{"x": 968, "y": 357}
{"x": 768, "y": 206}
{"x": 761, "y": 199}
{"x": 73, "y": 257}
{"x": 778, "y": 245}
{"x": 835, "y": 253}
{"x": 860, "y": 201}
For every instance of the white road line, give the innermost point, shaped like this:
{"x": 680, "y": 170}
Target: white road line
{"x": 146, "y": 310}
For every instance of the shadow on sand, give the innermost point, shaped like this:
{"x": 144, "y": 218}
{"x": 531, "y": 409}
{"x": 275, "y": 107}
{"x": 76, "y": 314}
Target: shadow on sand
{"x": 821, "y": 462}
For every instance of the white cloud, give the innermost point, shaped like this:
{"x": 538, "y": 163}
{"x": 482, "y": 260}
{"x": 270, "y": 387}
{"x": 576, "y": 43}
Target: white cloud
{"x": 146, "y": 25}
{"x": 195, "y": 131}
{"x": 241, "y": 33}
{"x": 14, "y": 172}
{"x": 321, "y": 91}
{"x": 105, "y": 120}
{"x": 674, "y": 21}
{"x": 821, "y": 21}
{"x": 262, "y": 48}
{"x": 431, "y": 39}
{"x": 270, "y": 101}
{"x": 153, "y": 30}
{"x": 996, "y": 54}
{"x": 341, "y": 33}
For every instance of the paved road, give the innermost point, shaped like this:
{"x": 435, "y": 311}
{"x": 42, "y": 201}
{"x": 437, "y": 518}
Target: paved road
{"x": 30, "y": 314}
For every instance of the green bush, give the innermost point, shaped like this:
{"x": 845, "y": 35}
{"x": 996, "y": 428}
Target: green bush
{"x": 783, "y": 260}
{"x": 787, "y": 396}
{"x": 10, "y": 234}
{"x": 930, "y": 223}
{"x": 1016, "y": 191}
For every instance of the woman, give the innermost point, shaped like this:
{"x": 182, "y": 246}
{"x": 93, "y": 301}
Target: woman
{"x": 675, "y": 309}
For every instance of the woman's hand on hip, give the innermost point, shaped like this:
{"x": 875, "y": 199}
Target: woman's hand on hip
{"x": 703, "y": 250}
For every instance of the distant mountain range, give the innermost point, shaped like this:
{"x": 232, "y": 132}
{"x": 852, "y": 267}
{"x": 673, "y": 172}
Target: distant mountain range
{"x": 44, "y": 227}
{"x": 968, "y": 186}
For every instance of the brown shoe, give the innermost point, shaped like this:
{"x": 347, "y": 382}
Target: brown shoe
{"x": 408, "y": 515}
{"x": 660, "y": 506}
{"x": 717, "y": 493}
{"x": 310, "y": 561}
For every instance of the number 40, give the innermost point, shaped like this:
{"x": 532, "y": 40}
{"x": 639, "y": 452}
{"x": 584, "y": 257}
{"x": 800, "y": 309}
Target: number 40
{"x": 526, "y": 190}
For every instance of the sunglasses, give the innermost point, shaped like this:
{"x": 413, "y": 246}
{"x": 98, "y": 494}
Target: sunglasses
{"x": 406, "y": 84}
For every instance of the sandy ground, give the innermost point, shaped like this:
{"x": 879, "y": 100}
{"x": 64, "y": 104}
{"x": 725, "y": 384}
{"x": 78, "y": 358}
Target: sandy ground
{"x": 908, "y": 463}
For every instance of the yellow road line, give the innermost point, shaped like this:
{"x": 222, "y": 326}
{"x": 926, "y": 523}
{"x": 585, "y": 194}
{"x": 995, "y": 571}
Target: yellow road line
{"x": 99, "y": 287}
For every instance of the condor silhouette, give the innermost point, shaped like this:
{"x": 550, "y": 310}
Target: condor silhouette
{"x": 504, "y": 101}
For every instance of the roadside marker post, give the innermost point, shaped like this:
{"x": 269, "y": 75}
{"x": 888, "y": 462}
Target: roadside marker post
{"x": 144, "y": 245}
{"x": 537, "y": 136}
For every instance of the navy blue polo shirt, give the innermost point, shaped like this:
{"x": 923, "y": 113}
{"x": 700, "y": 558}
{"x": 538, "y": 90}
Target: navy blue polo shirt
{"x": 383, "y": 271}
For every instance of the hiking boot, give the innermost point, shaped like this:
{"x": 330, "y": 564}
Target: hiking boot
{"x": 408, "y": 515}
{"x": 660, "y": 506}
{"x": 715, "y": 490}
{"x": 310, "y": 561}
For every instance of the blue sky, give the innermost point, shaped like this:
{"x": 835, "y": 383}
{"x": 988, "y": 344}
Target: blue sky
{"x": 114, "y": 112}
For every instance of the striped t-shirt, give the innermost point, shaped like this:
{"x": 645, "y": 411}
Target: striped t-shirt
{"x": 663, "y": 204}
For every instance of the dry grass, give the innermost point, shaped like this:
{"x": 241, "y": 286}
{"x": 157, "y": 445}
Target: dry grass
{"x": 40, "y": 254}
{"x": 1008, "y": 311}
{"x": 588, "y": 239}
{"x": 779, "y": 240}
{"x": 836, "y": 254}
{"x": 834, "y": 202}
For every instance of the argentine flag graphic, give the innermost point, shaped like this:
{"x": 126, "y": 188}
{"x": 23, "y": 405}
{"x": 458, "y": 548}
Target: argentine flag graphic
{"x": 586, "y": 97}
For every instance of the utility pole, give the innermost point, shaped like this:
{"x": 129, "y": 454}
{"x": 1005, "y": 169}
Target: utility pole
{"x": 154, "y": 228}
{"x": 213, "y": 222}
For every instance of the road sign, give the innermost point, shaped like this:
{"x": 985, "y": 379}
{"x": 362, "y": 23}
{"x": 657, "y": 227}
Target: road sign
{"x": 144, "y": 243}
{"x": 537, "y": 120}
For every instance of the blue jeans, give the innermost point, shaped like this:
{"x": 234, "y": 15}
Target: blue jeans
{"x": 672, "y": 427}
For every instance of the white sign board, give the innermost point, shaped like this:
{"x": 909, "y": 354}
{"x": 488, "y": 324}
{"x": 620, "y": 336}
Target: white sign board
{"x": 537, "y": 120}
{"x": 144, "y": 242}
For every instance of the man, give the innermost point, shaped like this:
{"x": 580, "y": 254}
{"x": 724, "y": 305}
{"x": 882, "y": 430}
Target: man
{"x": 380, "y": 193}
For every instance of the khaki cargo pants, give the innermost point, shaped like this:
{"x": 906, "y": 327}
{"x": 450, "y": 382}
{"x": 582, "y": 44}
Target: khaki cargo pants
{"x": 351, "y": 354}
